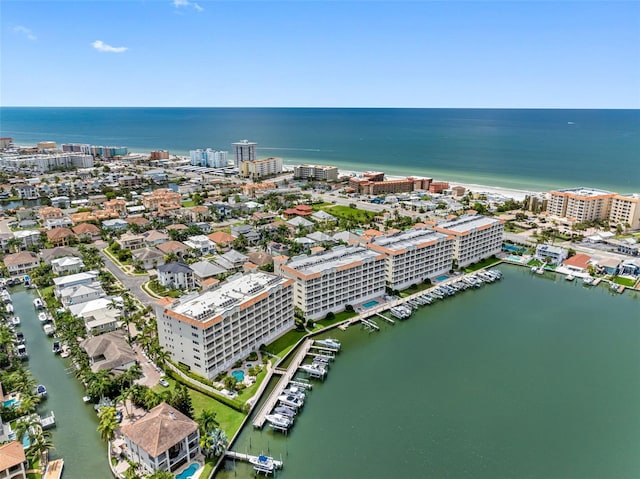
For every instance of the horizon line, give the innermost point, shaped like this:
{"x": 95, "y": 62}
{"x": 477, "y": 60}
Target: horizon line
{"x": 334, "y": 107}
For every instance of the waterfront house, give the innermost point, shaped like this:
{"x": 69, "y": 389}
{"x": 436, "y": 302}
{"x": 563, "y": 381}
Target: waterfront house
{"x": 80, "y": 293}
{"x": 13, "y": 462}
{"x": 550, "y": 254}
{"x": 151, "y": 257}
{"x": 629, "y": 268}
{"x": 176, "y": 276}
{"x": 578, "y": 263}
{"x": 67, "y": 265}
{"x": 115, "y": 224}
{"x": 58, "y": 252}
{"x": 609, "y": 265}
{"x": 21, "y": 263}
{"x": 109, "y": 351}
{"x": 49, "y": 213}
{"x": 163, "y": 440}
{"x": 100, "y": 315}
{"x": 86, "y": 277}
{"x": 28, "y": 238}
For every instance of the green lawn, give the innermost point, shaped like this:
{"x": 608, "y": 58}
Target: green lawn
{"x": 189, "y": 203}
{"x": 624, "y": 281}
{"x": 248, "y": 393}
{"x": 348, "y": 213}
{"x": 339, "y": 317}
{"x": 481, "y": 264}
{"x": 414, "y": 289}
{"x": 283, "y": 345}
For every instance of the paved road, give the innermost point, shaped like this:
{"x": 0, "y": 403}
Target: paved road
{"x": 132, "y": 283}
{"x": 4, "y": 226}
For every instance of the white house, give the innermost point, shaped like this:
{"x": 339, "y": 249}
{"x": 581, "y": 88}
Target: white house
{"x": 67, "y": 265}
{"x": 550, "y": 254}
{"x": 176, "y": 276}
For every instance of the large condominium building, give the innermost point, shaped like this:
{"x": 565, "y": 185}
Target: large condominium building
{"x": 315, "y": 172}
{"x": 625, "y": 209}
{"x": 261, "y": 168}
{"x": 210, "y": 331}
{"x": 109, "y": 151}
{"x": 414, "y": 255}
{"x": 329, "y": 281}
{"x": 76, "y": 148}
{"x": 162, "y": 198}
{"x": 244, "y": 150}
{"x": 476, "y": 237}
{"x": 209, "y": 158}
{"x": 580, "y": 204}
{"x": 45, "y": 163}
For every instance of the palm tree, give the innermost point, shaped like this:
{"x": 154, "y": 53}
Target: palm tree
{"x": 207, "y": 421}
{"x": 107, "y": 423}
{"x": 40, "y": 445}
{"x": 99, "y": 383}
{"x": 125, "y": 396}
{"x": 24, "y": 427}
{"x": 132, "y": 471}
{"x": 161, "y": 475}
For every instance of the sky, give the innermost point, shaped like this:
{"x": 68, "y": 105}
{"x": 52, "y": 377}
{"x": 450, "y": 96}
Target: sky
{"x": 422, "y": 54}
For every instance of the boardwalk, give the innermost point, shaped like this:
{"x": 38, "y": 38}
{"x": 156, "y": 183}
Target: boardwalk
{"x": 54, "y": 469}
{"x": 284, "y": 380}
{"x": 248, "y": 458}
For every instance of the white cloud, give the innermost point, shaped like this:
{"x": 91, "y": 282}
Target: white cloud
{"x": 25, "y": 31}
{"x": 103, "y": 47}
{"x": 187, "y": 3}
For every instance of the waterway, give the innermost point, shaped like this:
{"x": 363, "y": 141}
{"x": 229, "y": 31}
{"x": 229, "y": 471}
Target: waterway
{"x": 531, "y": 377}
{"x": 75, "y": 437}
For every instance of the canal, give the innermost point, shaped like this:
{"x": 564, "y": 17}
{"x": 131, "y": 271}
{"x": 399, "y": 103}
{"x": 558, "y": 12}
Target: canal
{"x": 75, "y": 437}
{"x": 530, "y": 377}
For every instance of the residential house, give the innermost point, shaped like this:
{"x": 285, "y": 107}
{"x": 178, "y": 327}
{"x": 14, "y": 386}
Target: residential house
{"x": 21, "y": 263}
{"x": 109, "y": 351}
{"x": 115, "y": 224}
{"x": 116, "y": 204}
{"x": 155, "y": 237}
{"x": 80, "y": 293}
{"x": 64, "y": 222}
{"x": 196, "y": 213}
{"x": 322, "y": 216}
{"x": 176, "y": 276}
{"x": 163, "y": 440}
{"x": 550, "y": 254}
{"x": 300, "y": 222}
{"x": 60, "y": 236}
{"x": 60, "y": 201}
{"x": 222, "y": 239}
{"x": 173, "y": 247}
{"x": 67, "y": 265}
{"x": 13, "y": 462}
{"x": 578, "y": 263}
{"x": 151, "y": 258}
{"x": 202, "y": 244}
{"x": 49, "y": 213}
{"x": 49, "y": 254}
{"x": 278, "y": 249}
{"x": 232, "y": 260}
{"x": 4, "y": 241}
{"x": 87, "y": 277}
{"x": 28, "y": 238}
{"x": 131, "y": 242}
{"x": 609, "y": 265}
{"x": 139, "y": 221}
{"x": 250, "y": 234}
{"x": 87, "y": 231}
{"x": 629, "y": 268}
{"x": 100, "y": 315}
{"x": 205, "y": 270}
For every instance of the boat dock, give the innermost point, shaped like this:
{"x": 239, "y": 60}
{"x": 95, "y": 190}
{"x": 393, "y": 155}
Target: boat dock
{"x": 54, "y": 469}
{"x": 48, "y": 421}
{"x": 370, "y": 324}
{"x": 272, "y": 400}
{"x": 387, "y": 319}
{"x": 238, "y": 456}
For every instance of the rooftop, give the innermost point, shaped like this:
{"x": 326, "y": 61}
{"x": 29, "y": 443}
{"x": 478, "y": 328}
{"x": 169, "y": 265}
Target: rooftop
{"x": 584, "y": 192}
{"x": 404, "y": 240}
{"x": 467, "y": 223}
{"x": 334, "y": 258}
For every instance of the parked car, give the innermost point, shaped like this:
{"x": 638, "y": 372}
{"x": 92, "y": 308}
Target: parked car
{"x": 164, "y": 382}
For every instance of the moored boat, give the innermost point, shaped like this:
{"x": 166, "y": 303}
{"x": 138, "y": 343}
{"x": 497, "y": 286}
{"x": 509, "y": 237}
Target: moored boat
{"x": 41, "y": 391}
{"x": 291, "y": 401}
{"x": 279, "y": 421}
{"x": 15, "y": 320}
{"x": 42, "y": 316}
{"x": 264, "y": 464}
{"x": 38, "y": 304}
{"x": 328, "y": 343}
{"x": 49, "y": 329}
{"x": 9, "y": 308}
{"x": 56, "y": 348}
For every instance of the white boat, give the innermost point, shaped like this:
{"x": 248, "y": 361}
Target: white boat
{"x": 264, "y": 464}
{"x": 588, "y": 281}
{"x": 42, "y": 316}
{"x": 279, "y": 421}
{"x": 285, "y": 411}
{"x": 294, "y": 391}
{"x": 21, "y": 351}
{"x": 9, "y": 308}
{"x": 6, "y": 297}
{"x": 316, "y": 370}
{"x": 15, "y": 320}
{"x": 570, "y": 277}
{"x": 66, "y": 351}
{"x": 328, "y": 343}
{"x": 291, "y": 401}
{"x": 49, "y": 329}
{"x": 41, "y": 391}
{"x": 38, "y": 304}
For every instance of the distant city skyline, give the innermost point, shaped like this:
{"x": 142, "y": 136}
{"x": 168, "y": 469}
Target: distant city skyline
{"x": 182, "y": 53}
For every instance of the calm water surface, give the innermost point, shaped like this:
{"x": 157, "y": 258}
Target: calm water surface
{"x": 531, "y": 377}
{"x": 75, "y": 437}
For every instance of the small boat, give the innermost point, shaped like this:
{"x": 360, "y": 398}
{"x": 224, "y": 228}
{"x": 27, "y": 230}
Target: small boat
{"x": 41, "y": 391}
{"x": 328, "y": 343}
{"x": 570, "y": 277}
{"x": 264, "y": 464}
{"x": 38, "y": 304}
{"x": 21, "y": 351}
{"x": 285, "y": 411}
{"x": 295, "y": 392}
{"x": 9, "y": 308}
{"x": 65, "y": 352}
{"x": 6, "y": 297}
{"x": 15, "y": 320}
{"x": 20, "y": 339}
{"x": 588, "y": 281}
{"x": 291, "y": 401}
{"x": 56, "y": 348}
{"x": 279, "y": 421}
{"x": 49, "y": 329}
{"x": 42, "y": 316}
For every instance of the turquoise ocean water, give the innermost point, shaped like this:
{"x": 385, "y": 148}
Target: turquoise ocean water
{"x": 528, "y": 149}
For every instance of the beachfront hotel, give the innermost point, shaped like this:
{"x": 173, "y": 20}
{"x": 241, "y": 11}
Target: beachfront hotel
{"x": 625, "y": 209}
{"x": 315, "y": 172}
{"x": 210, "y": 331}
{"x": 209, "y": 158}
{"x": 261, "y": 168}
{"x": 45, "y": 163}
{"x": 329, "y": 281}
{"x": 414, "y": 255}
{"x": 580, "y": 204}
{"x": 243, "y": 150}
{"x": 476, "y": 237}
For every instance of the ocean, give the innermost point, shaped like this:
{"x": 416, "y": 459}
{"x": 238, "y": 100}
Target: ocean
{"x": 524, "y": 149}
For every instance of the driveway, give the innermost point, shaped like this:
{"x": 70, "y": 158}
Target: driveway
{"x": 132, "y": 283}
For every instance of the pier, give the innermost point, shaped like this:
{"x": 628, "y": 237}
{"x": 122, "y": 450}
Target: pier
{"x": 272, "y": 400}
{"x": 54, "y": 469}
{"x": 389, "y": 320}
{"x": 238, "y": 456}
{"x": 370, "y": 324}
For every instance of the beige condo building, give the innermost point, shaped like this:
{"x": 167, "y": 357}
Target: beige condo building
{"x": 580, "y": 204}
{"x": 476, "y": 237}
{"x": 625, "y": 209}
{"x": 261, "y": 168}
{"x": 329, "y": 281}
{"x": 210, "y": 331}
{"x": 414, "y": 255}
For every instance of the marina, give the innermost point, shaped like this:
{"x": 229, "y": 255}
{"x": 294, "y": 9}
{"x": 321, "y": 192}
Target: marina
{"x": 450, "y": 375}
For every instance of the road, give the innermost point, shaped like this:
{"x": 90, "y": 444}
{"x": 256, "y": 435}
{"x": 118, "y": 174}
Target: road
{"x": 132, "y": 283}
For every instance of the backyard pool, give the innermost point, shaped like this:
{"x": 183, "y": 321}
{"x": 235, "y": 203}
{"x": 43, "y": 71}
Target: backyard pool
{"x": 370, "y": 304}
{"x": 442, "y": 277}
{"x": 239, "y": 375}
{"x": 10, "y": 402}
{"x": 189, "y": 471}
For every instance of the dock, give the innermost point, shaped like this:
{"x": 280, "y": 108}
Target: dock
{"x": 48, "y": 421}
{"x": 389, "y": 320}
{"x": 370, "y": 324}
{"x": 54, "y": 469}
{"x": 238, "y": 456}
{"x": 272, "y": 400}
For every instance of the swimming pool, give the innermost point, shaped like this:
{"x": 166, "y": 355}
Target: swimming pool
{"x": 10, "y": 402}
{"x": 239, "y": 375}
{"x": 189, "y": 471}
{"x": 516, "y": 259}
{"x": 370, "y": 304}
{"x": 442, "y": 277}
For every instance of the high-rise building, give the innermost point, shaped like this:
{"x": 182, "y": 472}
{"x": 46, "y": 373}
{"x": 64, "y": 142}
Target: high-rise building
{"x": 315, "y": 172}
{"x": 209, "y": 158}
{"x": 210, "y": 331}
{"x": 580, "y": 204}
{"x": 261, "y": 168}
{"x": 244, "y": 150}
{"x": 625, "y": 210}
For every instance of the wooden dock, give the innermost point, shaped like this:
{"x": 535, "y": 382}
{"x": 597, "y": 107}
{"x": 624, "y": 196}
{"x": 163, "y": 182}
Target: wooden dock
{"x": 54, "y": 469}
{"x": 238, "y": 456}
{"x": 272, "y": 400}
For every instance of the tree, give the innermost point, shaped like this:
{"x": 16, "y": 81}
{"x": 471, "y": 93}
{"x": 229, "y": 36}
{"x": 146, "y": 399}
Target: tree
{"x": 161, "y": 475}
{"x": 207, "y": 421}
{"x": 229, "y": 382}
{"x": 40, "y": 445}
{"x": 107, "y": 423}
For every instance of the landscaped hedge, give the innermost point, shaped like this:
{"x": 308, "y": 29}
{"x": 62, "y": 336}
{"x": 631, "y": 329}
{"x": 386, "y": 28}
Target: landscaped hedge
{"x": 238, "y": 406}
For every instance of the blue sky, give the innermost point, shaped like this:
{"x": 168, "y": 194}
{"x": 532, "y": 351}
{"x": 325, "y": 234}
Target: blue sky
{"x": 545, "y": 54}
